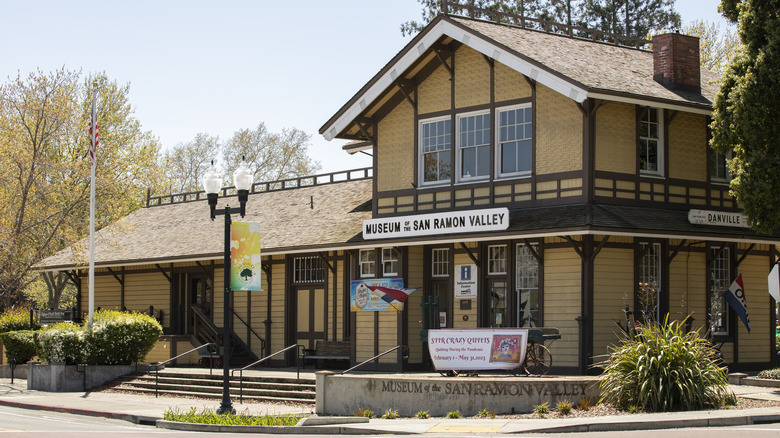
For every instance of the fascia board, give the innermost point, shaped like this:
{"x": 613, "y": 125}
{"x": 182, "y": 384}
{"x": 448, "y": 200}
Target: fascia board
{"x": 470, "y": 39}
{"x": 652, "y": 103}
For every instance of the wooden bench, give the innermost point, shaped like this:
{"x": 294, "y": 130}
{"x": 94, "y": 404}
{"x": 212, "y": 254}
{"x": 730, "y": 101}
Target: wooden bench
{"x": 327, "y": 350}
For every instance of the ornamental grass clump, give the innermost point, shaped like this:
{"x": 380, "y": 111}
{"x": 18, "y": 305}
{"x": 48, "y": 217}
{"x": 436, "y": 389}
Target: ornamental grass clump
{"x": 664, "y": 369}
{"x": 206, "y": 416}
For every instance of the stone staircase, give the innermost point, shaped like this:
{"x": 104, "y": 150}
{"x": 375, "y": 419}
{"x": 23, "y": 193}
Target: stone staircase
{"x": 257, "y": 386}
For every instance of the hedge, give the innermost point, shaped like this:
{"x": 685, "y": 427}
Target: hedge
{"x": 16, "y": 319}
{"x": 19, "y": 345}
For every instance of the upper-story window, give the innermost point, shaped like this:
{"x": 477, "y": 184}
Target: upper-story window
{"x": 367, "y": 263}
{"x": 651, "y": 150}
{"x": 719, "y": 170}
{"x": 514, "y": 153}
{"x": 473, "y": 144}
{"x": 435, "y": 150}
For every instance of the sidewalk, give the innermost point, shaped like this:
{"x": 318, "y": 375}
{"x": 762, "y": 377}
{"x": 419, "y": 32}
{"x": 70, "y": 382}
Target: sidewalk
{"x": 144, "y": 409}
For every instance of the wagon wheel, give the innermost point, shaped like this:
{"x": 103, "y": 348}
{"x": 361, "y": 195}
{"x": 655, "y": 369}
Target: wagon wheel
{"x": 538, "y": 360}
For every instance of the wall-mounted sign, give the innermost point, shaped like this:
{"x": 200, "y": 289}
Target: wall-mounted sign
{"x": 465, "y": 281}
{"x": 480, "y": 349}
{"x": 245, "y": 265}
{"x": 378, "y": 294}
{"x": 722, "y": 218}
{"x": 470, "y": 221}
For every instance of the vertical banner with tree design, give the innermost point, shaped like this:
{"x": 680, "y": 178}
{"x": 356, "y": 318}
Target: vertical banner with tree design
{"x": 245, "y": 268}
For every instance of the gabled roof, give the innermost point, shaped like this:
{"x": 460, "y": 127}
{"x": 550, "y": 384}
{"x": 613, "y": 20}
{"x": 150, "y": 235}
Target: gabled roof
{"x": 296, "y": 220}
{"x": 574, "y": 67}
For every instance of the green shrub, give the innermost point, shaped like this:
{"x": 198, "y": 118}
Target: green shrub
{"x": 364, "y": 413}
{"x": 542, "y": 409}
{"x": 453, "y": 414}
{"x": 16, "y": 319}
{"x": 19, "y": 345}
{"x": 773, "y": 374}
{"x": 63, "y": 342}
{"x": 120, "y": 338}
{"x": 207, "y": 416}
{"x": 664, "y": 369}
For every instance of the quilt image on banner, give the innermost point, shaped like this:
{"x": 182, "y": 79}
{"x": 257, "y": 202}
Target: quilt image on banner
{"x": 378, "y": 294}
{"x": 245, "y": 265}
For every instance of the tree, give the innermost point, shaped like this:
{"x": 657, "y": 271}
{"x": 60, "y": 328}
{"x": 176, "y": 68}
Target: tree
{"x": 44, "y": 186}
{"x": 746, "y": 116}
{"x": 635, "y": 18}
{"x": 716, "y": 49}
{"x": 271, "y": 156}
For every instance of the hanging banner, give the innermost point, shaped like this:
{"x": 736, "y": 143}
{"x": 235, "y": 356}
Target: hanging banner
{"x": 480, "y": 349}
{"x": 378, "y": 294}
{"x": 245, "y": 268}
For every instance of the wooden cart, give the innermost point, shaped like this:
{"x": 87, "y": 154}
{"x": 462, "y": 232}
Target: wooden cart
{"x": 538, "y": 359}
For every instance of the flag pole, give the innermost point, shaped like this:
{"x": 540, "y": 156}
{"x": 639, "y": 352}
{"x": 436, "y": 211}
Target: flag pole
{"x": 92, "y": 160}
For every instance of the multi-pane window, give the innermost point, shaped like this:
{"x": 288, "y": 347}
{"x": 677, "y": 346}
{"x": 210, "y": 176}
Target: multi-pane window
{"x": 389, "y": 261}
{"x": 435, "y": 149}
{"x": 650, "y": 145}
{"x": 367, "y": 263}
{"x": 474, "y": 146}
{"x": 308, "y": 270}
{"x": 720, "y": 280}
{"x": 440, "y": 262}
{"x": 514, "y": 153}
{"x": 719, "y": 170}
{"x": 649, "y": 287}
{"x": 527, "y": 276}
{"x": 497, "y": 259}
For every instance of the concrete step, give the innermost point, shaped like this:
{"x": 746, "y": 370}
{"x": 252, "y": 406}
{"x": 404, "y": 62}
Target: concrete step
{"x": 234, "y": 394}
{"x": 293, "y": 395}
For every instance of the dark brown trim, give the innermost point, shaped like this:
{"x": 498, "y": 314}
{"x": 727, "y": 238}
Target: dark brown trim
{"x": 167, "y": 276}
{"x": 470, "y": 253}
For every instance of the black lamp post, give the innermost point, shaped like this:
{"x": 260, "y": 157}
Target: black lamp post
{"x": 212, "y": 183}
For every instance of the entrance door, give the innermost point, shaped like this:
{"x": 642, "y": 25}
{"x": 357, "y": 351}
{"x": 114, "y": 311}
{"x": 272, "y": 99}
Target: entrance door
{"x": 497, "y": 304}
{"x": 310, "y": 312}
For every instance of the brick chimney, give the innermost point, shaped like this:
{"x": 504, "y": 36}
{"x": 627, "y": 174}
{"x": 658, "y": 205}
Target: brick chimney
{"x": 676, "y": 62}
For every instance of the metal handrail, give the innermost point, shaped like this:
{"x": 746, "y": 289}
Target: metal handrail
{"x": 157, "y": 365}
{"x": 262, "y": 341}
{"x": 403, "y": 347}
{"x": 241, "y": 370}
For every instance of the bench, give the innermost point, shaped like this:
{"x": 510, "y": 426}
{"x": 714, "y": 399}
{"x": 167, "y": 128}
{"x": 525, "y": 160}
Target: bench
{"x": 327, "y": 350}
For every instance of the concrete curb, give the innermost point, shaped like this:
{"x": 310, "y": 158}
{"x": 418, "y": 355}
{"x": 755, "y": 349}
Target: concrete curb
{"x": 137, "y": 419}
{"x": 278, "y": 430}
{"x": 646, "y": 424}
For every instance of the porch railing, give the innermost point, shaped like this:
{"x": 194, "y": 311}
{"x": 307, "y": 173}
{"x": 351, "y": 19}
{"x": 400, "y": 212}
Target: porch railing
{"x": 403, "y": 348}
{"x": 249, "y": 330}
{"x": 204, "y": 329}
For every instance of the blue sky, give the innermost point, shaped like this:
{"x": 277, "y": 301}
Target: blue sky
{"x": 216, "y": 67}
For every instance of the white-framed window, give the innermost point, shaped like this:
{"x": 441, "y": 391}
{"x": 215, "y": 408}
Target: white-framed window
{"x": 527, "y": 281}
{"x": 497, "y": 259}
{"x": 435, "y": 150}
{"x": 310, "y": 269}
{"x": 720, "y": 280}
{"x": 440, "y": 262}
{"x": 473, "y": 145}
{"x": 389, "y": 262}
{"x": 651, "y": 147}
{"x": 367, "y": 263}
{"x": 649, "y": 287}
{"x": 514, "y": 140}
{"x": 719, "y": 169}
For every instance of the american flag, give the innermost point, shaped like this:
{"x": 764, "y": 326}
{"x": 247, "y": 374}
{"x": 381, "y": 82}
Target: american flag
{"x": 93, "y": 135}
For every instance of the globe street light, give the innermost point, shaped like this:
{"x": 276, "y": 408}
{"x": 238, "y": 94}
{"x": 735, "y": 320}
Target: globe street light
{"x": 212, "y": 183}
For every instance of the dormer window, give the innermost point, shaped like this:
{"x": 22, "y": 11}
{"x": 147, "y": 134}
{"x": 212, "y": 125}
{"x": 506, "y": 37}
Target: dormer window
{"x": 435, "y": 150}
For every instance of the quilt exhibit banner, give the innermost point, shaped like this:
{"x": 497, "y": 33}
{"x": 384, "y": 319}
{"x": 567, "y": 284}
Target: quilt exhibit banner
{"x": 477, "y": 349}
{"x": 378, "y": 294}
{"x": 245, "y": 268}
